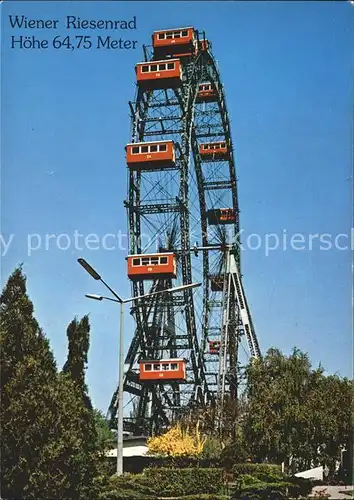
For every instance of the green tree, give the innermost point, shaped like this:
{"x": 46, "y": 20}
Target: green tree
{"x": 105, "y": 437}
{"x": 48, "y": 440}
{"x": 78, "y": 332}
{"x": 295, "y": 414}
{"x": 28, "y": 386}
{"x": 329, "y": 411}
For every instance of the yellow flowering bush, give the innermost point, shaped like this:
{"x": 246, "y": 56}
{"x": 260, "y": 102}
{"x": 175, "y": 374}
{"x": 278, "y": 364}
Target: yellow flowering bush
{"x": 177, "y": 442}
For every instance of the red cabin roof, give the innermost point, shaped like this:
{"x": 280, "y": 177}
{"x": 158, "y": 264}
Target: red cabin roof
{"x": 159, "y": 74}
{"x": 150, "y": 155}
{"x": 152, "y": 266}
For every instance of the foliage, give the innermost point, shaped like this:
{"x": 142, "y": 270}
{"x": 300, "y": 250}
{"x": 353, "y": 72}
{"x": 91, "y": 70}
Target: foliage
{"x": 206, "y": 419}
{"x": 177, "y": 442}
{"x": 213, "y": 447}
{"x": 236, "y": 451}
{"x": 53, "y": 441}
{"x": 265, "y": 488}
{"x": 260, "y": 481}
{"x": 203, "y": 496}
{"x": 105, "y": 436}
{"x": 295, "y": 412}
{"x": 174, "y": 482}
{"x": 258, "y": 470}
{"x": 78, "y": 333}
{"x": 301, "y": 486}
{"x": 28, "y": 376}
{"x": 72, "y": 463}
{"x": 137, "y": 465}
{"x": 203, "y": 419}
{"x": 165, "y": 482}
{"x": 47, "y": 447}
{"x": 127, "y": 487}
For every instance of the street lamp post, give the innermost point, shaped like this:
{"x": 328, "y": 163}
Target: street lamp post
{"x": 92, "y": 272}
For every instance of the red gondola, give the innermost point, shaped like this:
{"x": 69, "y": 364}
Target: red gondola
{"x": 151, "y": 267}
{"x": 162, "y": 370}
{"x": 206, "y": 93}
{"x": 150, "y": 155}
{"x": 159, "y": 74}
{"x": 214, "y": 151}
{"x": 217, "y": 283}
{"x": 214, "y": 346}
{"x": 177, "y": 43}
{"x": 221, "y": 216}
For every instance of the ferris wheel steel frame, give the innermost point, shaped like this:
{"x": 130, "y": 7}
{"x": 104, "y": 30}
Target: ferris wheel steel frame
{"x": 165, "y": 114}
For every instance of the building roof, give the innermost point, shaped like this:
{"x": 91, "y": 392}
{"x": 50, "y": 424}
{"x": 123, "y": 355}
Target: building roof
{"x": 132, "y": 451}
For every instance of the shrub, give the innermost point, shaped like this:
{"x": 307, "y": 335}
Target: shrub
{"x": 260, "y": 490}
{"x": 299, "y": 486}
{"x": 259, "y": 481}
{"x": 254, "y": 469}
{"x": 212, "y": 448}
{"x": 137, "y": 465}
{"x": 128, "y": 487}
{"x": 206, "y": 496}
{"x": 178, "y": 442}
{"x": 123, "y": 495}
{"x": 164, "y": 482}
{"x": 190, "y": 481}
{"x": 234, "y": 452}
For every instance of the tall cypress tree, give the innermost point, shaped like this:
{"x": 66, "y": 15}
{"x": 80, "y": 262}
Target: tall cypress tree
{"x": 78, "y": 333}
{"x": 28, "y": 381}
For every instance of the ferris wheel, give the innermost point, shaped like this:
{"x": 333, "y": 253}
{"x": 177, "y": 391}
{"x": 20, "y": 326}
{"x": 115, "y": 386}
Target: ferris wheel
{"x": 183, "y": 221}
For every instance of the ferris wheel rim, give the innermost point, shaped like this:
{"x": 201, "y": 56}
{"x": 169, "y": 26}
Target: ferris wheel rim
{"x": 190, "y": 129}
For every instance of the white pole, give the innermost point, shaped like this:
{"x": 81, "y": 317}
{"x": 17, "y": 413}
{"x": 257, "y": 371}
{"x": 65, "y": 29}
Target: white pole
{"x": 120, "y": 395}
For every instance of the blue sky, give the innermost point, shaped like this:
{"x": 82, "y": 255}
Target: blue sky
{"x": 287, "y": 69}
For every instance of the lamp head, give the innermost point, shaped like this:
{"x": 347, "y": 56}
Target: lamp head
{"x": 89, "y": 269}
{"x": 93, "y": 296}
